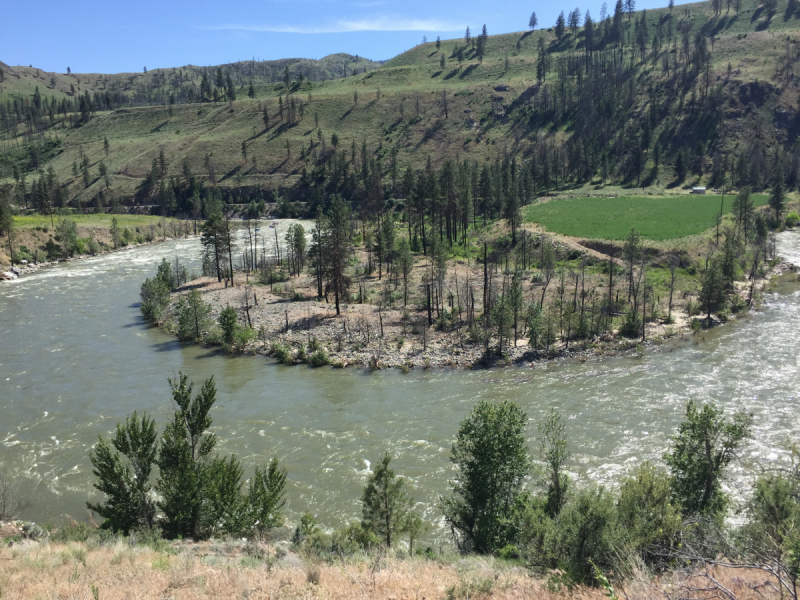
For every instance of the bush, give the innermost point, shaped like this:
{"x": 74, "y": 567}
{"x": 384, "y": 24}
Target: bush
{"x": 282, "y": 353}
{"x": 647, "y": 514}
{"x": 792, "y": 220}
{"x": 508, "y": 552}
{"x": 243, "y": 336}
{"x": 631, "y": 326}
{"x": 319, "y": 358}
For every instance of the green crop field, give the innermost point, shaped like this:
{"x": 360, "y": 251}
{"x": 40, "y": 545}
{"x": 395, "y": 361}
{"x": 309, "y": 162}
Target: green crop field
{"x": 663, "y": 218}
{"x": 94, "y": 220}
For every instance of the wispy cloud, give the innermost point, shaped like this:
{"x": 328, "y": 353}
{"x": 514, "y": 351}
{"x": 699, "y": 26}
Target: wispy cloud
{"x": 382, "y": 23}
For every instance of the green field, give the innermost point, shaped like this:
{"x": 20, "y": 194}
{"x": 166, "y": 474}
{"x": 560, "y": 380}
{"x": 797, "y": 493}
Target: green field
{"x": 612, "y": 218}
{"x": 94, "y": 220}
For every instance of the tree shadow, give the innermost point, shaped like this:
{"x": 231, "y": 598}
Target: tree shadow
{"x": 451, "y": 74}
{"x": 468, "y": 70}
{"x": 525, "y": 35}
{"x": 346, "y": 114}
{"x": 279, "y": 167}
{"x": 435, "y": 75}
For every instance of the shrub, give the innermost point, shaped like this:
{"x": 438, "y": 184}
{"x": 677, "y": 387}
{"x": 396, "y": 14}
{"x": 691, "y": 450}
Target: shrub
{"x": 281, "y": 353}
{"x": 243, "y": 336}
{"x": 319, "y": 358}
{"x": 792, "y": 220}
{"x": 631, "y": 326}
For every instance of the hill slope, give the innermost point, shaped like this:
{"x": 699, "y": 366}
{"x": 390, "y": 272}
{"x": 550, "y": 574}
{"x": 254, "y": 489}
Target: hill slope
{"x": 654, "y": 99}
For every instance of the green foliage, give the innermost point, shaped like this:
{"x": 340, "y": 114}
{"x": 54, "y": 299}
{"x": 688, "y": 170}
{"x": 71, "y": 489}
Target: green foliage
{"x": 228, "y": 324}
{"x": 648, "y": 515}
{"x": 67, "y": 235}
{"x": 319, "y": 358}
{"x": 266, "y": 496}
{"x": 282, "y": 354}
{"x": 492, "y": 460}
{"x": 774, "y": 518}
{"x": 128, "y": 504}
{"x": 792, "y": 220}
{"x": 555, "y": 455}
{"x": 184, "y": 458}
{"x": 154, "y": 294}
{"x": 588, "y": 532}
{"x": 193, "y": 316}
{"x": 704, "y": 446}
{"x": 712, "y": 287}
{"x": 385, "y": 503}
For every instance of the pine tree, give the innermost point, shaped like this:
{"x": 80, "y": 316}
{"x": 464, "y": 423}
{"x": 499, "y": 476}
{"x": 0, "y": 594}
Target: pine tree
{"x": 533, "y": 21}
{"x": 385, "y": 503}
{"x": 561, "y": 26}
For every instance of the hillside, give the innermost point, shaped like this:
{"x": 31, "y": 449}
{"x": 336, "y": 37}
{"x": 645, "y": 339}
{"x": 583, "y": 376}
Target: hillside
{"x": 660, "y": 99}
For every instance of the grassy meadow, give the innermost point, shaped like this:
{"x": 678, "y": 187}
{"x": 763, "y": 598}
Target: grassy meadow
{"x": 94, "y": 220}
{"x": 657, "y": 219}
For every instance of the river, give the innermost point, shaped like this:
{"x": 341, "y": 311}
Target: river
{"x": 76, "y": 358}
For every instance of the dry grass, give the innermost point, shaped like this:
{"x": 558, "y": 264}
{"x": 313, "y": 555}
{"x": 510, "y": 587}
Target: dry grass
{"x": 233, "y": 570}
{"x": 215, "y": 570}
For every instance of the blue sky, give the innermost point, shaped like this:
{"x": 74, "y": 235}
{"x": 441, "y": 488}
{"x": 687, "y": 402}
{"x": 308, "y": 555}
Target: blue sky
{"x": 113, "y": 36}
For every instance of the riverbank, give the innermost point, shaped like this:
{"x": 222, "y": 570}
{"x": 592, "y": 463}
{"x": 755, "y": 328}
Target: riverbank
{"x": 289, "y": 324}
{"x": 16, "y": 271}
{"x": 236, "y": 569}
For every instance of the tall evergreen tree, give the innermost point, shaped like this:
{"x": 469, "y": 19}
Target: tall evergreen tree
{"x": 385, "y": 504}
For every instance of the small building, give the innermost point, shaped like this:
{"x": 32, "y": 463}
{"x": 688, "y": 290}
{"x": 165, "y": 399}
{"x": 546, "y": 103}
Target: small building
{"x": 699, "y": 190}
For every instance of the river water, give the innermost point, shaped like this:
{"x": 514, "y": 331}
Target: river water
{"x": 76, "y": 358}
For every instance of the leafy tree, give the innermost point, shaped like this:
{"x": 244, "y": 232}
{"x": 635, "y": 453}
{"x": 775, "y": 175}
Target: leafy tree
{"x": 492, "y": 461}
{"x": 704, "y": 446}
{"x": 67, "y": 234}
{"x": 154, "y": 293}
{"x": 184, "y": 458}
{"x": 533, "y": 21}
{"x": 555, "y": 455}
{"x": 128, "y": 503}
{"x": 384, "y": 502}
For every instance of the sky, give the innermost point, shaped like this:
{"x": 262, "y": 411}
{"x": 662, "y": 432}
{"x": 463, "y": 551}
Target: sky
{"x": 108, "y": 36}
